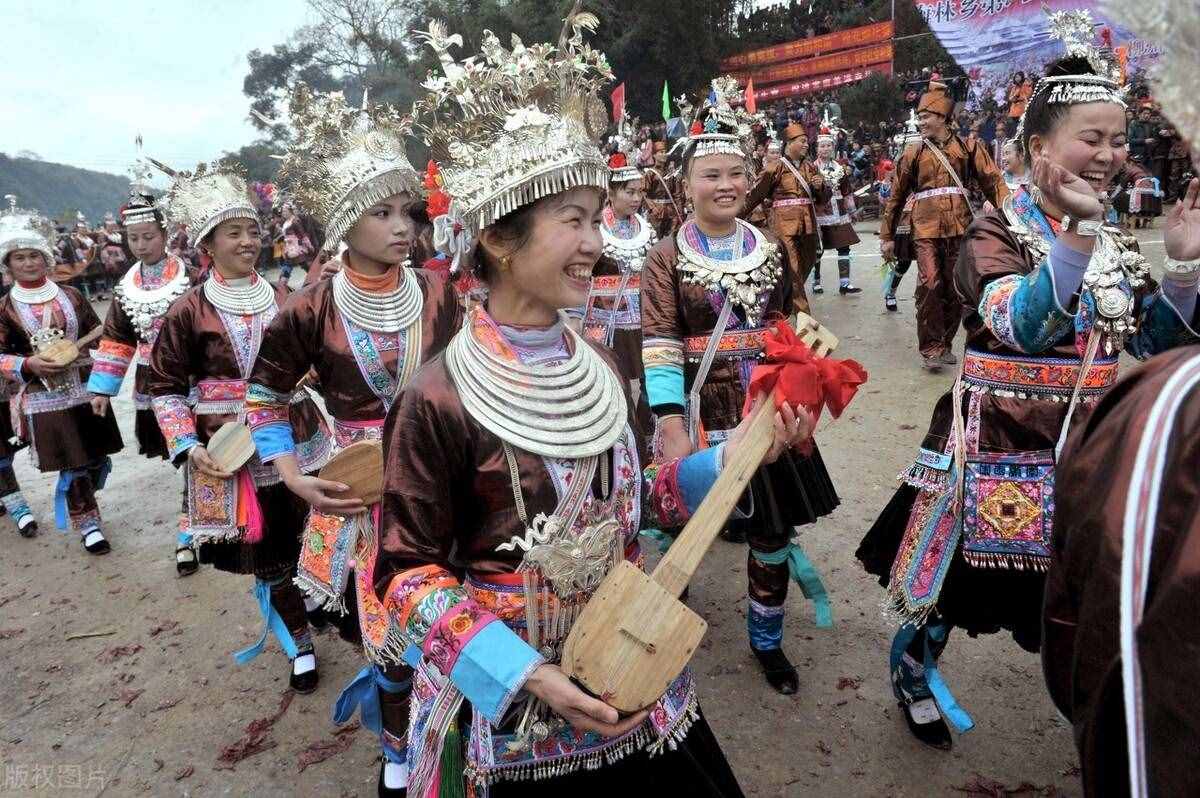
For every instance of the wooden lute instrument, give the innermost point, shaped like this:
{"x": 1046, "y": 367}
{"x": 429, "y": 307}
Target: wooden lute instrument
{"x": 635, "y": 636}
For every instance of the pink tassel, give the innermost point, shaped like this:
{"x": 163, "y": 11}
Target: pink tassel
{"x": 254, "y": 519}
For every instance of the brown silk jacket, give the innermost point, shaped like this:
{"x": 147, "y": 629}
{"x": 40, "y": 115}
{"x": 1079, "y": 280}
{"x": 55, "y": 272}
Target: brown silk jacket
{"x": 948, "y": 215}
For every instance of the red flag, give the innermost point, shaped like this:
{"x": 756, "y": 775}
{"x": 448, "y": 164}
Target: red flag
{"x": 751, "y": 105}
{"x": 618, "y": 102}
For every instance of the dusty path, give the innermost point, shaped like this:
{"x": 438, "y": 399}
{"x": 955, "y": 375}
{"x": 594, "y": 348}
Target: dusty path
{"x": 149, "y": 708}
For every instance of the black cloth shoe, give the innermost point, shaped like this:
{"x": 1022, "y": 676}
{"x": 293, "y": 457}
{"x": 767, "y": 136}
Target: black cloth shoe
{"x": 27, "y": 526}
{"x": 931, "y": 730}
{"x": 304, "y": 683}
{"x": 94, "y": 542}
{"x": 780, "y": 672}
{"x": 889, "y": 302}
{"x": 817, "y": 289}
{"x": 388, "y": 792}
{"x": 186, "y": 563}
{"x": 849, "y": 289}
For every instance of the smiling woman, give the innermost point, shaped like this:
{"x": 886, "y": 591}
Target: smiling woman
{"x": 67, "y": 435}
{"x": 243, "y": 522}
{"x": 708, "y": 294}
{"x": 516, "y": 445}
{"x": 1052, "y": 294}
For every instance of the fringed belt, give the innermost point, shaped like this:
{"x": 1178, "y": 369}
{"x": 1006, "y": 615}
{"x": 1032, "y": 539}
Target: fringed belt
{"x": 734, "y": 345}
{"x": 784, "y": 203}
{"x": 1051, "y": 379}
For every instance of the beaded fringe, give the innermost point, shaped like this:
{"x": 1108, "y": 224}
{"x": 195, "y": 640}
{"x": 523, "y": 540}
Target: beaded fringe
{"x": 363, "y": 196}
{"x": 639, "y": 740}
{"x": 317, "y": 590}
{"x": 923, "y": 477}
{"x": 547, "y": 184}
{"x": 231, "y": 407}
{"x": 1017, "y": 562}
{"x": 1005, "y": 393}
{"x": 228, "y": 535}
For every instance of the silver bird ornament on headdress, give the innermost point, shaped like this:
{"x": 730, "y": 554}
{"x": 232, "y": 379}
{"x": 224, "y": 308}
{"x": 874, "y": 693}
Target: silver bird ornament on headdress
{"x": 512, "y": 125}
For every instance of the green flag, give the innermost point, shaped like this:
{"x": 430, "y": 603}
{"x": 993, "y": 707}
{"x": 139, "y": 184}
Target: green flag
{"x": 666, "y": 102}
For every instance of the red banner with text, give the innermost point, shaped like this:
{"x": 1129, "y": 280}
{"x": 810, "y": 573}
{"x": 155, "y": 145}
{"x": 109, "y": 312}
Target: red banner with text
{"x": 822, "y": 83}
{"x": 806, "y": 48}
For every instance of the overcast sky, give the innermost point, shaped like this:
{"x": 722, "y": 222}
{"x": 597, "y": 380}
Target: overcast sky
{"x": 84, "y": 77}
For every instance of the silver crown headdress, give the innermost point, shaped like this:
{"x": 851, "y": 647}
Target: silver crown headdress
{"x": 511, "y": 126}
{"x": 22, "y": 229}
{"x": 343, "y": 159}
{"x": 142, "y": 206}
{"x": 1174, "y": 24}
{"x": 725, "y": 128}
{"x": 628, "y": 170}
{"x": 1076, "y": 30}
{"x": 206, "y": 197}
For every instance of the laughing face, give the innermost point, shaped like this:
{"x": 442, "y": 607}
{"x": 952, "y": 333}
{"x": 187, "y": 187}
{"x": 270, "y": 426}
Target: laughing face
{"x": 552, "y": 268}
{"x": 1088, "y": 141}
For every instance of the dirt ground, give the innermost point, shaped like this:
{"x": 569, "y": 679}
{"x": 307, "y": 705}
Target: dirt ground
{"x": 148, "y": 704}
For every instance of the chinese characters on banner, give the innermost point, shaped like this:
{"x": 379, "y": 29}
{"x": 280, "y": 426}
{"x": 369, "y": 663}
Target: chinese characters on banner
{"x": 991, "y": 39}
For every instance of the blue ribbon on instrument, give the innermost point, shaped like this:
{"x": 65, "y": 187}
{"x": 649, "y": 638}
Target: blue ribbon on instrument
{"x": 804, "y": 573}
{"x": 947, "y": 704}
{"x": 272, "y": 623}
{"x": 62, "y": 518}
{"x": 361, "y": 694}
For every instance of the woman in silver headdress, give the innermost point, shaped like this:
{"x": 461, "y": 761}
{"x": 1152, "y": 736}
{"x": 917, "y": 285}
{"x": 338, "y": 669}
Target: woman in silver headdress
{"x": 52, "y": 401}
{"x": 363, "y": 332}
{"x": 1052, "y": 294}
{"x": 519, "y": 439}
{"x": 709, "y": 293}
{"x": 245, "y": 522}
{"x": 140, "y": 300}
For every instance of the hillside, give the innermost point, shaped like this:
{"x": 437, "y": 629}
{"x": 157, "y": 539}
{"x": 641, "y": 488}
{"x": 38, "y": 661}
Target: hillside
{"x": 54, "y": 187}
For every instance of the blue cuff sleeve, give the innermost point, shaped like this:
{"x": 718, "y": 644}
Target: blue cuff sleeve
{"x": 1163, "y": 325}
{"x": 1182, "y": 295}
{"x": 103, "y": 383}
{"x": 1068, "y": 266}
{"x": 492, "y": 668}
{"x": 664, "y": 385}
{"x": 273, "y": 441}
{"x": 698, "y": 472}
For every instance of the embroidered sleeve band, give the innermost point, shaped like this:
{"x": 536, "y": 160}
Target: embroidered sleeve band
{"x": 1023, "y": 312}
{"x": 176, "y": 422}
{"x": 485, "y": 659}
{"x": 677, "y": 487}
{"x": 110, "y": 361}
{"x": 10, "y": 368}
{"x": 267, "y": 417}
{"x": 663, "y": 359}
{"x": 1163, "y": 324}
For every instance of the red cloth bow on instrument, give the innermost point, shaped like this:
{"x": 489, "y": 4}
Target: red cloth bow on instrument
{"x": 798, "y": 377}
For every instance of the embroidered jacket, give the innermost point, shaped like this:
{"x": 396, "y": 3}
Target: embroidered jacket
{"x": 448, "y": 574}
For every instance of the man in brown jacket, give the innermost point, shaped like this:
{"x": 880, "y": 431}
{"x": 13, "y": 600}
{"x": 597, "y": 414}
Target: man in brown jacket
{"x": 937, "y": 173}
{"x": 793, "y": 185}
